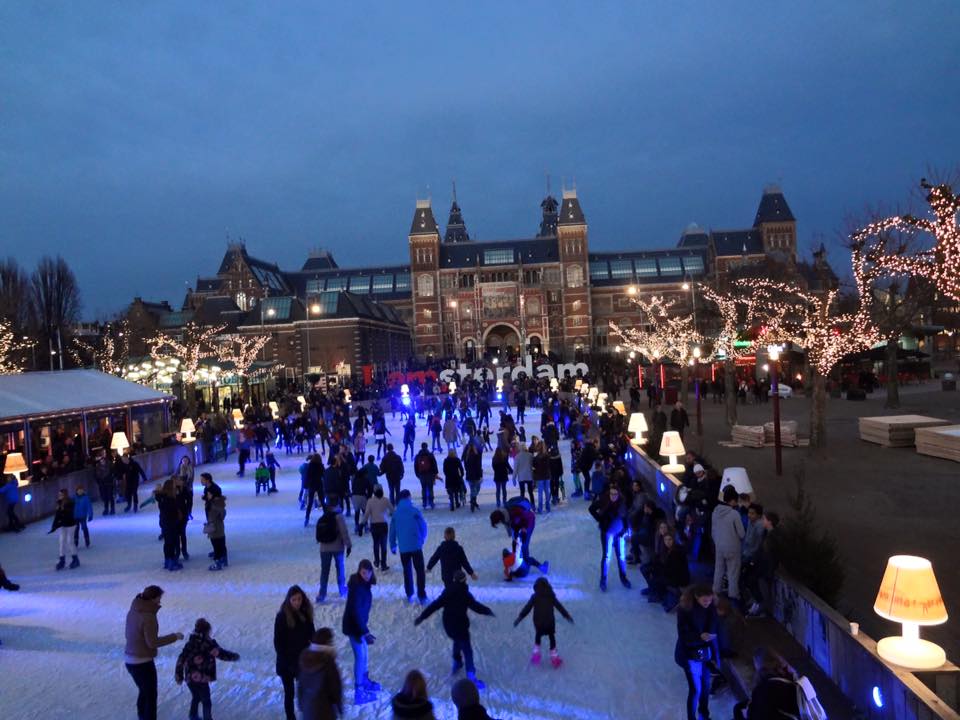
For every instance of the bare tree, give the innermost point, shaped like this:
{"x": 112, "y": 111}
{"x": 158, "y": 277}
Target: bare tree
{"x": 14, "y": 294}
{"x": 54, "y": 303}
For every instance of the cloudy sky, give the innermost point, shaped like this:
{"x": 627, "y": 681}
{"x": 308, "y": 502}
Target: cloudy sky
{"x": 136, "y": 137}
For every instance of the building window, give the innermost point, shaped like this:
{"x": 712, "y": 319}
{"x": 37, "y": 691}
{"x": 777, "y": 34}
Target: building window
{"x": 693, "y": 264}
{"x": 574, "y": 276}
{"x": 577, "y": 304}
{"x": 403, "y": 281}
{"x": 314, "y": 286}
{"x": 599, "y": 270}
{"x": 646, "y": 267}
{"x": 621, "y": 269}
{"x": 327, "y": 303}
{"x": 498, "y": 257}
{"x": 242, "y": 300}
{"x": 467, "y": 281}
{"x": 428, "y": 314}
{"x": 336, "y": 283}
{"x": 670, "y": 266}
{"x": 447, "y": 282}
{"x": 551, "y": 276}
{"x": 533, "y": 307}
{"x": 360, "y": 284}
{"x": 383, "y": 283}
{"x": 425, "y": 286}
{"x": 600, "y": 336}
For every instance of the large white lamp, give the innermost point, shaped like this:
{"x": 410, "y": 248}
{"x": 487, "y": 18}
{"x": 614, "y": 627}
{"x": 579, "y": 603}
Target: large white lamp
{"x": 187, "y": 429}
{"x": 909, "y": 594}
{"x": 577, "y": 383}
{"x": 738, "y": 478}
{"x": 452, "y": 387}
{"x": 671, "y": 446}
{"x": 119, "y": 442}
{"x": 637, "y": 426}
{"x": 619, "y": 407}
{"x": 274, "y": 409}
{"x": 16, "y": 466}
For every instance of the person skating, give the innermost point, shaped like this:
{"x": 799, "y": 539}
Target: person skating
{"x": 292, "y": 630}
{"x": 466, "y": 698}
{"x": 197, "y": 664}
{"x": 519, "y": 521}
{"x": 170, "y": 520}
{"x": 361, "y": 489}
{"x": 425, "y": 467}
{"x": 63, "y": 524}
{"x": 413, "y": 700}
{"x": 392, "y": 467}
{"x": 453, "y": 478}
{"x": 261, "y": 478}
{"x": 11, "y": 494}
{"x": 523, "y": 471}
{"x": 215, "y": 530}
{"x": 316, "y": 480}
{"x": 272, "y": 466}
{"x": 355, "y": 626}
{"x": 473, "y": 469}
{"x": 408, "y": 532}
{"x": 501, "y": 473}
{"x": 455, "y": 600}
{"x": 106, "y": 483}
{"x": 334, "y": 539}
{"x": 378, "y": 508}
{"x": 142, "y": 642}
{"x": 132, "y": 474}
{"x": 543, "y": 602}
{"x": 451, "y": 556}
{"x": 696, "y": 646}
{"x": 610, "y": 512}
{"x": 319, "y": 685}
{"x": 82, "y": 513}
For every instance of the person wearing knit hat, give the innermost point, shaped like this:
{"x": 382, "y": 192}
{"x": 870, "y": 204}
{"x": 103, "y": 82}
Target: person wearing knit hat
{"x": 319, "y": 686}
{"x": 466, "y": 697}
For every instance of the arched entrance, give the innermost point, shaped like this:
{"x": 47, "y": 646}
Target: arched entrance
{"x": 501, "y": 340}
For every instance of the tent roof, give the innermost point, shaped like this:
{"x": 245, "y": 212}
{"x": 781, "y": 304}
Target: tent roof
{"x": 52, "y": 393}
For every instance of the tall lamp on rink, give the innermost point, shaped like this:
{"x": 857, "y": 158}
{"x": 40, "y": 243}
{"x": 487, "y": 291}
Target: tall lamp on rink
{"x": 637, "y": 427}
{"x": 16, "y": 466}
{"x": 671, "y": 446}
{"x": 119, "y": 442}
{"x": 187, "y": 429}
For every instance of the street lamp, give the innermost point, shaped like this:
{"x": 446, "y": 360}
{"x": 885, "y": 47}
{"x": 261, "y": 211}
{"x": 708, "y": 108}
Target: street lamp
{"x": 315, "y": 310}
{"x": 455, "y": 306}
{"x": 696, "y": 383}
{"x": 773, "y": 352}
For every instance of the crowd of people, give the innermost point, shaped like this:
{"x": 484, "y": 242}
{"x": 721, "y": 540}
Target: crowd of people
{"x": 342, "y": 478}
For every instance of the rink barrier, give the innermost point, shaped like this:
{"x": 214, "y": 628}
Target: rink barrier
{"x": 878, "y": 690}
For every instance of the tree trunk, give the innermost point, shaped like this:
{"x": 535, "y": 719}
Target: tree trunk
{"x": 684, "y": 383}
{"x": 730, "y": 390}
{"x": 245, "y": 399}
{"x": 190, "y": 399}
{"x": 890, "y": 367}
{"x": 818, "y": 411}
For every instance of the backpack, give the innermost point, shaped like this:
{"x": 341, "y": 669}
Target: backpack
{"x": 810, "y": 708}
{"x": 327, "y": 530}
{"x": 423, "y": 465}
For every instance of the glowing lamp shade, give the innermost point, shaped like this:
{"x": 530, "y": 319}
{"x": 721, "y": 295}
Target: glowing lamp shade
{"x": 584, "y": 389}
{"x": 738, "y": 478}
{"x": 593, "y": 393}
{"x": 187, "y": 429}
{"x": 452, "y": 387}
{"x": 274, "y": 409}
{"x": 909, "y": 594}
{"x": 303, "y": 401}
{"x": 619, "y": 407}
{"x": 119, "y": 442}
{"x": 637, "y": 426}
{"x": 577, "y": 384}
{"x": 346, "y": 395}
{"x": 554, "y": 384}
{"x": 404, "y": 389}
{"x": 15, "y": 465}
{"x": 237, "y": 418}
{"x": 671, "y": 446}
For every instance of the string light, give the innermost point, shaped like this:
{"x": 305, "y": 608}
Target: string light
{"x": 110, "y": 352}
{"x": 940, "y": 264}
{"x": 196, "y": 345}
{"x": 671, "y": 335}
{"x": 242, "y": 351}
{"x": 10, "y": 348}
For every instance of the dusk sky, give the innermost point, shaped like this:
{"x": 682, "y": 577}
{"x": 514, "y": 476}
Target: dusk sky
{"x": 135, "y": 137}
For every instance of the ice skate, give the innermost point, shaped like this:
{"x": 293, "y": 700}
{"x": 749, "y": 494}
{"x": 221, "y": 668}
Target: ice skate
{"x": 535, "y": 658}
{"x": 361, "y": 696}
{"x": 370, "y": 684}
{"x": 481, "y": 685}
{"x": 75, "y": 562}
{"x": 62, "y": 564}
{"x": 555, "y": 659}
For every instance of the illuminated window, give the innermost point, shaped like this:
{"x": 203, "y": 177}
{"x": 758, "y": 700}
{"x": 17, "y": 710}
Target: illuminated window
{"x": 693, "y": 264}
{"x": 498, "y": 257}
{"x": 383, "y": 283}
{"x": 574, "y": 276}
{"x": 670, "y": 266}
{"x": 337, "y": 284}
{"x": 621, "y": 269}
{"x": 425, "y": 286}
{"x": 599, "y": 270}
{"x": 360, "y": 284}
{"x": 403, "y": 281}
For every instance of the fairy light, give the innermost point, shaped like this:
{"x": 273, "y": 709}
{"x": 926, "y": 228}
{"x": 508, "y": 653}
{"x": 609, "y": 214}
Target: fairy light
{"x": 242, "y": 351}
{"x": 196, "y": 345}
{"x": 10, "y": 348}
{"x": 671, "y": 335}
{"x": 111, "y": 350}
{"x": 941, "y": 263}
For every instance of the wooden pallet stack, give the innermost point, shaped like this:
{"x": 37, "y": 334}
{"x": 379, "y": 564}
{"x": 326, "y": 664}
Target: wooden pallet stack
{"x": 788, "y": 433}
{"x": 748, "y": 435}
{"x": 895, "y": 430}
{"x": 942, "y": 442}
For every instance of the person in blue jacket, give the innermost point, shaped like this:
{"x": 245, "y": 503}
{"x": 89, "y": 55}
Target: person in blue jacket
{"x": 355, "y": 618}
{"x": 82, "y": 513}
{"x": 11, "y": 493}
{"x": 408, "y": 532}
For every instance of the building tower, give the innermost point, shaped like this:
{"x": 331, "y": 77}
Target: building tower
{"x": 548, "y": 225}
{"x": 574, "y": 266}
{"x": 424, "y": 276}
{"x": 777, "y": 224}
{"x": 456, "y": 229}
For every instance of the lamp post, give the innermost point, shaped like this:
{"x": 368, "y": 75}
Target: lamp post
{"x": 773, "y": 352}
{"x": 696, "y": 384}
{"x": 314, "y": 309}
{"x": 455, "y": 306}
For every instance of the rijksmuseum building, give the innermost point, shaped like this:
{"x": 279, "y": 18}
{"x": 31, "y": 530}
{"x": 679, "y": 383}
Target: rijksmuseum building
{"x": 543, "y": 292}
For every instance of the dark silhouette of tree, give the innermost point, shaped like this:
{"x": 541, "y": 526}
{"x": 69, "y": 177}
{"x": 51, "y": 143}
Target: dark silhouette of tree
{"x": 54, "y": 304}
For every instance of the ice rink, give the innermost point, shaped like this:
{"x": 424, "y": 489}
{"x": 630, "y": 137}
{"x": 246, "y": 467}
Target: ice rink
{"x": 63, "y": 632}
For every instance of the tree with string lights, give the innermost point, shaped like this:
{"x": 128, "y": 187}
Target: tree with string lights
{"x": 10, "y": 349}
{"x": 109, "y": 353}
{"x": 195, "y": 344}
{"x": 815, "y": 322}
{"x": 939, "y": 264}
{"x": 242, "y": 351}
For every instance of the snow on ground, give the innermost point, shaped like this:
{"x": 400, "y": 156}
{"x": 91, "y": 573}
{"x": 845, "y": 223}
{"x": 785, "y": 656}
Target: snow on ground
{"x": 62, "y": 652}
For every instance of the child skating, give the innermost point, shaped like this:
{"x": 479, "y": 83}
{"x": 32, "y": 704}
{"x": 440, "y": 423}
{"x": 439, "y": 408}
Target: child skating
{"x": 543, "y": 602}
{"x": 197, "y": 665}
{"x": 455, "y": 600}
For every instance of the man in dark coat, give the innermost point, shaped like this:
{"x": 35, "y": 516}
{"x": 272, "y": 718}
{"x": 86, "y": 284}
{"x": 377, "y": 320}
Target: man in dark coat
{"x": 425, "y": 466}
{"x": 315, "y": 484}
{"x": 392, "y": 467}
{"x": 455, "y": 600}
{"x": 452, "y": 558}
{"x": 679, "y": 420}
{"x": 132, "y": 473}
{"x": 319, "y": 687}
{"x": 356, "y": 615}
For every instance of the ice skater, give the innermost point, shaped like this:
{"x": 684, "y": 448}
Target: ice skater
{"x": 519, "y": 520}
{"x": 197, "y": 664}
{"x": 63, "y": 524}
{"x": 455, "y": 600}
{"x": 452, "y": 558}
{"x": 610, "y": 512}
{"x": 543, "y": 602}
{"x": 355, "y": 619}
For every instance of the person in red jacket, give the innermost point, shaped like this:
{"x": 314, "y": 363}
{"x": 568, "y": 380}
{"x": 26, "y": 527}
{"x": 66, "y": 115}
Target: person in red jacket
{"x": 519, "y": 520}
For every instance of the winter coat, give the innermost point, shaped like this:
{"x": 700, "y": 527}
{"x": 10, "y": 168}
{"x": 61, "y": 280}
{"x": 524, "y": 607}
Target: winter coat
{"x": 392, "y": 467}
{"x": 541, "y": 466}
{"x": 588, "y": 456}
{"x": 356, "y": 615}
{"x": 727, "y": 530}
{"x": 364, "y": 480}
{"x": 611, "y": 516}
{"x": 141, "y": 630}
{"x": 676, "y": 571}
{"x": 82, "y": 507}
{"x": 319, "y": 686}
{"x": 63, "y": 516}
{"x": 453, "y": 472}
{"x": 451, "y": 556}
{"x": 131, "y": 472}
{"x": 262, "y": 475}
{"x": 377, "y": 510}
{"x": 473, "y": 465}
{"x": 169, "y": 511}
{"x": 411, "y": 709}
{"x": 342, "y": 543}
{"x": 474, "y": 712}
{"x": 501, "y": 470}
{"x": 523, "y": 466}
{"x": 408, "y": 529}
{"x": 519, "y": 516}
{"x": 455, "y": 601}
{"x": 289, "y": 642}
{"x": 769, "y": 557}
{"x": 556, "y": 464}
{"x": 598, "y": 481}
{"x": 332, "y": 480}
{"x": 690, "y": 625}
{"x": 451, "y": 433}
{"x": 215, "y": 517}
{"x": 679, "y": 420}
{"x": 773, "y": 697}
{"x": 11, "y": 492}
{"x": 426, "y": 459}
{"x": 198, "y": 659}
{"x": 543, "y": 605}
{"x": 753, "y": 539}
{"x": 315, "y": 475}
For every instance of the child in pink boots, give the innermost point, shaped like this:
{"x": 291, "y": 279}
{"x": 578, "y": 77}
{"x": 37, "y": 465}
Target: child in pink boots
{"x": 542, "y": 602}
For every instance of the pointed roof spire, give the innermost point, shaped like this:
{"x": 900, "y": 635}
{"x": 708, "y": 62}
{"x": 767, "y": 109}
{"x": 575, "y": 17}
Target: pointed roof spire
{"x": 570, "y": 211}
{"x": 423, "y": 220}
{"x": 773, "y": 207}
{"x": 456, "y": 229}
